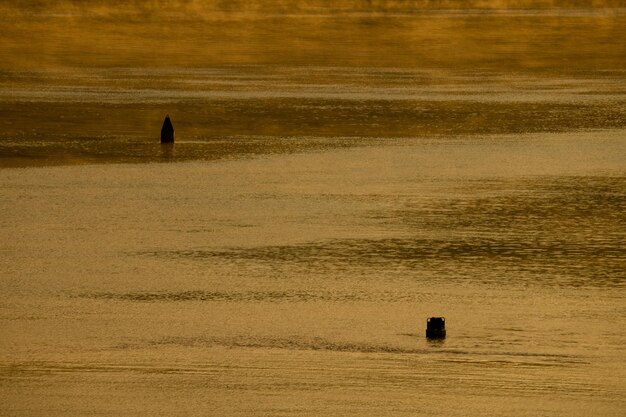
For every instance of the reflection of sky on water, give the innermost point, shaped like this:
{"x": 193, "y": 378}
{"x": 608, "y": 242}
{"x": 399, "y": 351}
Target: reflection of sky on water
{"x": 337, "y": 178}
{"x": 173, "y": 85}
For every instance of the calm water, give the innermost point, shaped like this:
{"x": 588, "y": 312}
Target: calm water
{"x": 332, "y": 185}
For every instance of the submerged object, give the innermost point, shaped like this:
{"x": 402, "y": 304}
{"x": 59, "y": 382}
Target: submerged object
{"x": 436, "y": 328}
{"x": 167, "y": 131}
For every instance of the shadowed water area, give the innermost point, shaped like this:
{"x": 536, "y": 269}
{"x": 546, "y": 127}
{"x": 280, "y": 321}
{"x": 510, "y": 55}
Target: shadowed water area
{"x": 342, "y": 171}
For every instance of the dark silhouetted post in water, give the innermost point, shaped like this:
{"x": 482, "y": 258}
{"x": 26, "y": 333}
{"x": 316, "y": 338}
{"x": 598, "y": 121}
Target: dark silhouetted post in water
{"x": 436, "y": 328}
{"x": 167, "y": 131}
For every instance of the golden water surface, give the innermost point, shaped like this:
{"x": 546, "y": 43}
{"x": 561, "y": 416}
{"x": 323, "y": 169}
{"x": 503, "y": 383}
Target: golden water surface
{"x": 342, "y": 171}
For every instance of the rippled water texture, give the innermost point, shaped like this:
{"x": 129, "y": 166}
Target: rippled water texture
{"x": 340, "y": 173}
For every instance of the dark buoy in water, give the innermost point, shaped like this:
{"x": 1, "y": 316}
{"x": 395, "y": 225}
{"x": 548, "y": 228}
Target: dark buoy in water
{"x": 167, "y": 131}
{"x": 436, "y": 328}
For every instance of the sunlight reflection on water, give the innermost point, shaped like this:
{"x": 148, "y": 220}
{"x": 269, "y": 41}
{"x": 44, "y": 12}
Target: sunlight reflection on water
{"x": 337, "y": 178}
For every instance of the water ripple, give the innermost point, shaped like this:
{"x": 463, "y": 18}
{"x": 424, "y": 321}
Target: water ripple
{"x": 252, "y": 296}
